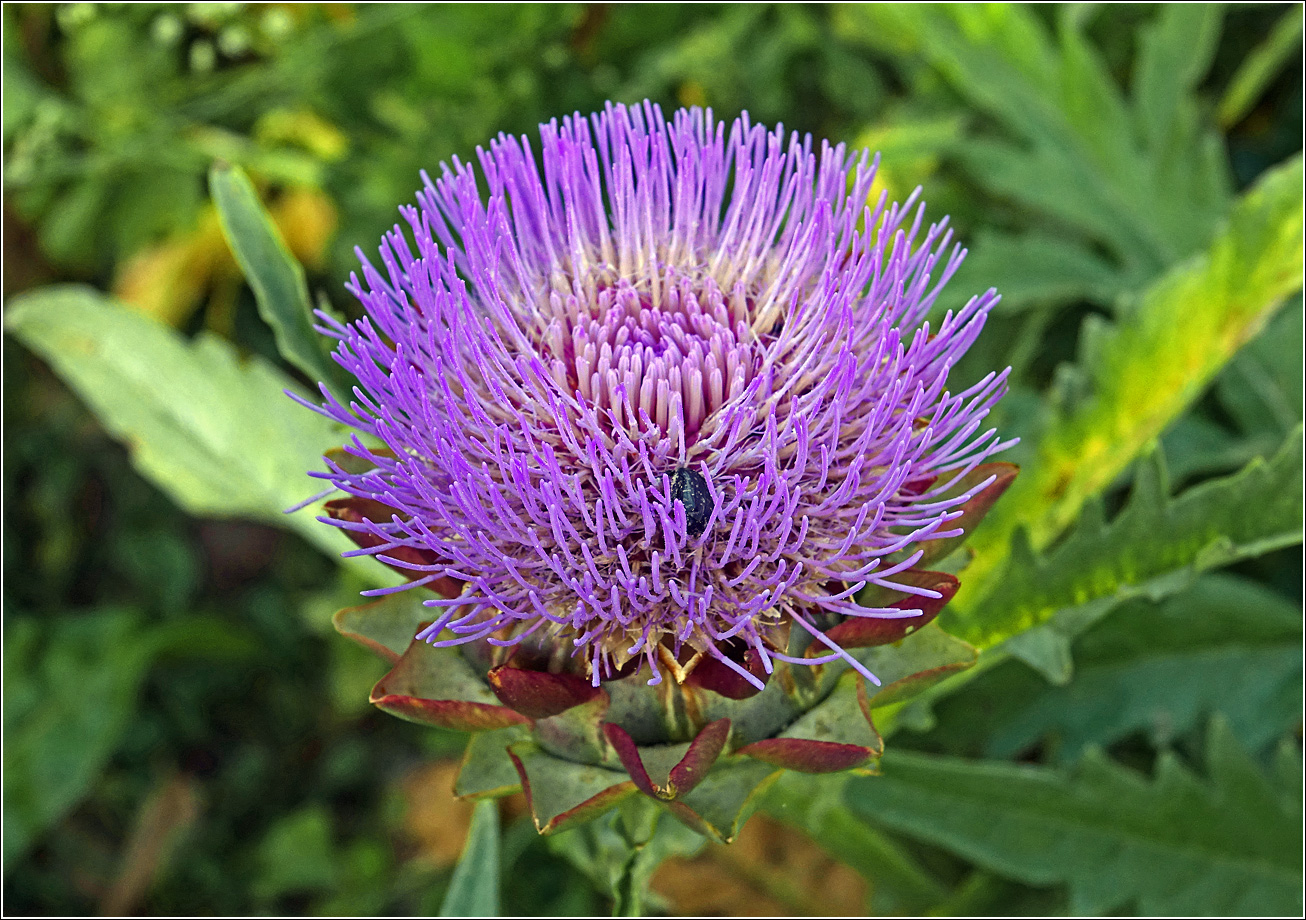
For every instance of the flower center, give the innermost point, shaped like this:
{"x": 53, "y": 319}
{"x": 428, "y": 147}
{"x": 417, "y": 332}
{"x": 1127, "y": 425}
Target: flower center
{"x": 652, "y": 356}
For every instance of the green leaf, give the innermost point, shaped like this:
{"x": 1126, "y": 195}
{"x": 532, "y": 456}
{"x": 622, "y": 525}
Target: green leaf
{"x": 1146, "y": 370}
{"x": 1148, "y": 668}
{"x": 69, "y": 698}
{"x": 1260, "y": 390}
{"x": 910, "y": 146}
{"x": 217, "y": 434}
{"x": 1175, "y": 52}
{"x": 1056, "y": 96}
{"x": 1155, "y": 546}
{"x": 1259, "y": 69}
{"x": 1166, "y": 669}
{"x": 1143, "y": 179}
{"x": 1173, "y": 845}
{"x": 275, "y": 276}
{"x": 912, "y": 139}
{"x": 1287, "y": 770}
{"x": 474, "y": 889}
{"x": 1195, "y": 446}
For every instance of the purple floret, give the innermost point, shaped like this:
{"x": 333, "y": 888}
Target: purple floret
{"x": 641, "y": 298}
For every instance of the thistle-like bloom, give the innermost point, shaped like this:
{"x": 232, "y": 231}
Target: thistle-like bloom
{"x": 658, "y": 395}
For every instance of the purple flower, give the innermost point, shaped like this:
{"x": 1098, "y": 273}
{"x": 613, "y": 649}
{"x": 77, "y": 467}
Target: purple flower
{"x": 662, "y": 395}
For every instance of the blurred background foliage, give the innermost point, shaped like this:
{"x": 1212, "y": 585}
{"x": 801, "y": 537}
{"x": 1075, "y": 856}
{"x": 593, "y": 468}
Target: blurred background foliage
{"x": 182, "y": 732}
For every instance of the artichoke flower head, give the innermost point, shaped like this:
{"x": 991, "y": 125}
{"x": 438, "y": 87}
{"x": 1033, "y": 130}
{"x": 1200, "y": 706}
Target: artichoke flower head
{"x": 657, "y": 432}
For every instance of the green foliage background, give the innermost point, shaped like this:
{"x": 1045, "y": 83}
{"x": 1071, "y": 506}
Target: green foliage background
{"x": 1130, "y": 178}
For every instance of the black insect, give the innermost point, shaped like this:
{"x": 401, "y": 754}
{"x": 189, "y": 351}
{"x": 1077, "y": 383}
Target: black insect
{"x": 691, "y": 489}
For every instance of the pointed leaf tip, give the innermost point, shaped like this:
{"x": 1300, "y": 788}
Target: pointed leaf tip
{"x": 436, "y": 686}
{"x": 561, "y": 794}
{"x": 676, "y": 769}
{"x": 455, "y": 715}
{"x": 702, "y": 754}
{"x": 722, "y": 802}
{"x": 807, "y": 756}
{"x": 274, "y": 274}
{"x": 837, "y": 735}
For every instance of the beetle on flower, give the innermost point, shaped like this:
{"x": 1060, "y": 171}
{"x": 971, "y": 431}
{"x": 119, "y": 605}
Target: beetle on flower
{"x": 659, "y": 431}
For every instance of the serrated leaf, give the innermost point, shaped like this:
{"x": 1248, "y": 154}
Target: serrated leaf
{"x": 474, "y": 888}
{"x": 1225, "y": 645}
{"x": 1147, "y": 369}
{"x": 1155, "y": 546}
{"x": 1170, "y": 845}
{"x": 216, "y": 433}
{"x": 1142, "y": 179}
{"x": 1175, "y": 52}
{"x": 1133, "y": 174}
{"x": 277, "y": 279}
